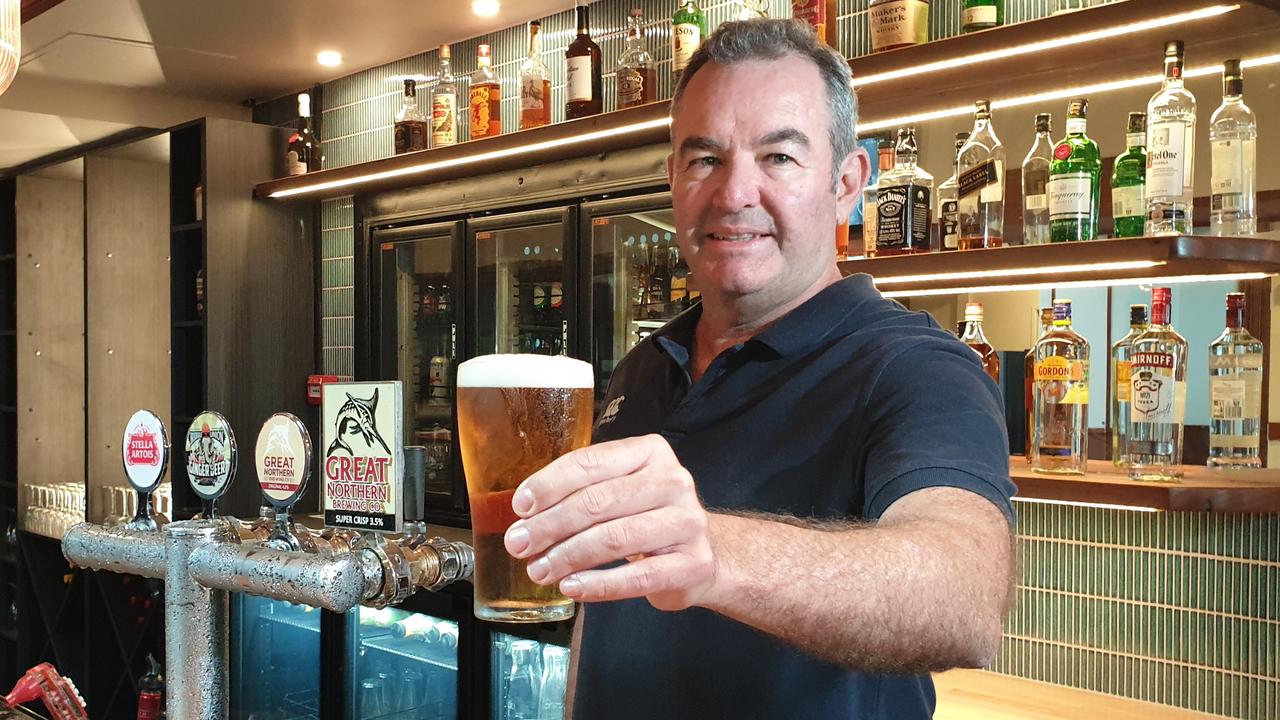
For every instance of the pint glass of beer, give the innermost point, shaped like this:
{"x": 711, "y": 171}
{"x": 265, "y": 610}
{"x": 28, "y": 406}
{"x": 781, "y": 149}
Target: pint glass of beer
{"x": 516, "y": 413}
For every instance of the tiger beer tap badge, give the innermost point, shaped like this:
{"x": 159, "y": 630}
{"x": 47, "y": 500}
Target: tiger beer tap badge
{"x": 283, "y": 457}
{"x": 362, "y": 434}
{"x": 211, "y": 455}
{"x": 145, "y": 451}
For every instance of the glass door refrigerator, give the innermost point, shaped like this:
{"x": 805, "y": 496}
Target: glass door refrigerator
{"x": 275, "y": 660}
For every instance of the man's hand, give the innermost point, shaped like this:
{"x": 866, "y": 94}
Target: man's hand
{"x": 627, "y": 499}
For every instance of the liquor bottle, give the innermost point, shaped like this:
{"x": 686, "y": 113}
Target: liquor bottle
{"x": 680, "y": 300}
{"x": 304, "y": 154}
{"x": 535, "y": 83}
{"x": 1129, "y": 181}
{"x": 1171, "y": 133}
{"x": 484, "y": 104}
{"x": 1060, "y": 433}
{"x": 1035, "y": 184}
{"x": 982, "y": 14}
{"x": 885, "y": 160}
{"x": 821, "y": 14}
{"x": 659, "y": 282}
{"x": 1074, "y": 192}
{"x": 976, "y": 339}
{"x": 688, "y": 30}
{"x": 752, "y": 9}
{"x": 898, "y": 23}
{"x": 949, "y": 201}
{"x": 582, "y": 71}
{"x": 444, "y": 105}
{"x": 1235, "y": 392}
{"x": 411, "y": 127}
{"x": 1122, "y": 384}
{"x": 637, "y": 79}
{"x": 1029, "y": 374}
{"x": 981, "y": 184}
{"x": 416, "y": 627}
{"x": 151, "y": 691}
{"x": 903, "y": 202}
{"x": 1158, "y": 396}
{"x": 1233, "y": 138}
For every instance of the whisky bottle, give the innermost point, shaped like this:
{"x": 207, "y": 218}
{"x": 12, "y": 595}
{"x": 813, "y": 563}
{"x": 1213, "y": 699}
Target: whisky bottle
{"x": 1035, "y": 184}
{"x": 444, "y": 105}
{"x": 582, "y": 72}
{"x": 1171, "y": 133}
{"x": 1233, "y": 137}
{"x": 1235, "y": 392}
{"x": 885, "y": 160}
{"x": 688, "y": 30}
{"x": 949, "y": 201}
{"x": 484, "y": 105}
{"x": 535, "y": 84}
{"x": 904, "y": 202}
{"x": 1129, "y": 181}
{"x": 1060, "y": 433}
{"x": 1122, "y": 384}
{"x": 637, "y": 80}
{"x": 1074, "y": 192}
{"x": 821, "y": 14}
{"x": 304, "y": 154}
{"x": 1159, "y": 395}
{"x": 982, "y": 14}
{"x": 976, "y": 339}
{"x": 898, "y": 23}
{"x": 411, "y": 126}
{"x": 1028, "y": 377}
{"x": 981, "y": 184}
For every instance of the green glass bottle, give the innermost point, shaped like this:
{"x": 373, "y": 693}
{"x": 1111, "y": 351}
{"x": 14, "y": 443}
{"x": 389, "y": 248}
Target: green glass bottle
{"x": 688, "y": 30}
{"x": 982, "y": 14}
{"x": 1129, "y": 181}
{"x": 1073, "y": 180}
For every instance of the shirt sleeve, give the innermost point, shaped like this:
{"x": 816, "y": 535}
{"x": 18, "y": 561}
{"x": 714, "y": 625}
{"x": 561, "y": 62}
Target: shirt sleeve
{"x": 935, "y": 419}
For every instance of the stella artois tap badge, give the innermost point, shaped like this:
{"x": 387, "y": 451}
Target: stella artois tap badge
{"x": 283, "y": 457}
{"x": 363, "y": 437}
{"x": 211, "y": 457}
{"x": 145, "y": 450}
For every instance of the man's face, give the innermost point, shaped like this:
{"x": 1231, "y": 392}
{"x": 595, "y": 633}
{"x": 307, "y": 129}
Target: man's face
{"x": 751, "y": 178}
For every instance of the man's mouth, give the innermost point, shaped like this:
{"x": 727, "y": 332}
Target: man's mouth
{"x": 736, "y": 237}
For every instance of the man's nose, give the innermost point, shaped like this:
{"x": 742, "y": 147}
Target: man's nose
{"x": 739, "y": 186}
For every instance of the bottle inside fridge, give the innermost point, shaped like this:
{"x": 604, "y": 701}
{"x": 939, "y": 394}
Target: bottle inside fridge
{"x": 405, "y": 665}
{"x": 528, "y": 679}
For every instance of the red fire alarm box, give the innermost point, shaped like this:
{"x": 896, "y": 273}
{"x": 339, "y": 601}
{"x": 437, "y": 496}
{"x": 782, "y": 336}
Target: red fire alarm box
{"x": 313, "y": 386}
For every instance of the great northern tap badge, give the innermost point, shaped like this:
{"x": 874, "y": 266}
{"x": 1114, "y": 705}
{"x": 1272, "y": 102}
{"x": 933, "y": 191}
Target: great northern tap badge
{"x": 362, "y": 433}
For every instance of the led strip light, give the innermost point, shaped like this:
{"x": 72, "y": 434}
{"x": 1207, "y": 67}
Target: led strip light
{"x": 1076, "y": 284}
{"x": 1013, "y": 272}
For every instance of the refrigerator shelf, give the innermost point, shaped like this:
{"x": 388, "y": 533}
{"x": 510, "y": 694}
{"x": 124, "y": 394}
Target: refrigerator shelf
{"x": 293, "y": 622}
{"x": 399, "y": 649}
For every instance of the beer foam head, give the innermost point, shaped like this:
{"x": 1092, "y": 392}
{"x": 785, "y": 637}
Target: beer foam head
{"x": 531, "y": 371}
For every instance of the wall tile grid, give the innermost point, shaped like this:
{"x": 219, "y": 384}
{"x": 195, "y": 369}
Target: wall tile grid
{"x": 1175, "y": 608}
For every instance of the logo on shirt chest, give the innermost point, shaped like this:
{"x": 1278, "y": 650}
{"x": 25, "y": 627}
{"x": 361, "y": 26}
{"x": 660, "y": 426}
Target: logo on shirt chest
{"x": 611, "y": 411}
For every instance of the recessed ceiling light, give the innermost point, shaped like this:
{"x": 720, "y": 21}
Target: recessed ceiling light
{"x": 329, "y": 58}
{"x": 485, "y": 8}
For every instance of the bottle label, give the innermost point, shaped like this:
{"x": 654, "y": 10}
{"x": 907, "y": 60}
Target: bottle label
{"x": 1128, "y": 201}
{"x": 1062, "y": 380}
{"x": 149, "y": 705}
{"x": 1037, "y": 202}
{"x": 531, "y": 93}
{"x": 1076, "y": 126}
{"x": 983, "y": 182}
{"x": 293, "y": 164}
{"x": 444, "y": 119}
{"x": 1071, "y": 196}
{"x": 1124, "y": 380}
{"x": 1227, "y": 399}
{"x": 685, "y": 39}
{"x": 980, "y": 15}
{"x": 950, "y": 215}
{"x": 899, "y": 22}
{"x": 902, "y": 220}
{"x": 1155, "y": 394}
{"x": 630, "y": 87}
{"x": 1233, "y": 160}
{"x": 481, "y": 121}
{"x": 813, "y": 12}
{"x": 1168, "y": 159}
{"x": 410, "y": 136}
{"x": 1135, "y": 140}
{"x": 579, "y": 79}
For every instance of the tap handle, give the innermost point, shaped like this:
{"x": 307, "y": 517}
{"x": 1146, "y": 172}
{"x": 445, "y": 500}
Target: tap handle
{"x": 415, "y": 478}
{"x": 211, "y": 459}
{"x": 283, "y": 459}
{"x": 145, "y": 452}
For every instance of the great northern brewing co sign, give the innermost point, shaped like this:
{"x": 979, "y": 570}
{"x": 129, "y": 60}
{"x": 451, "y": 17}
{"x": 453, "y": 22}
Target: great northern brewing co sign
{"x": 362, "y": 437}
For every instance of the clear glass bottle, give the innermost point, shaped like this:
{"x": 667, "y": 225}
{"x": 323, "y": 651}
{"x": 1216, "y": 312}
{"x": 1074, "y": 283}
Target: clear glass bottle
{"x": 982, "y": 15}
{"x": 444, "y": 105}
{"x": 904, "y": 206}
{"x": 1074, "y": 180}
{"x": 1235, "y": 392}
{"x": 1129, "y": 181}
{"x": 1171, "y": 132}
{"x": 974, "y": 337}
{"x": 949, "y": 201}
{"x": 1028, "y": 377}
{"x": 637, "y": 79}
{"x": 535, "y": 83}
{"x": 1060, "y": 434}
{"x": 981, "y": 184}
{"x": 485, "y": 97}
{"x": 583, "y": 82}
{"x": 1035, "y": 183}
{"x": 688, "y": 30}
{"x": 884, "y": 156}
{"x": 1122, "y": 384}
{"x": 411, "y": 126}
{"x": 1158, "y": 396}
{"x": 1233, "y": 143}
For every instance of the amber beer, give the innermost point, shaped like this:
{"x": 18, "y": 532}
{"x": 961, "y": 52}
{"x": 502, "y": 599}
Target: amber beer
{"x": 516, "y": 413}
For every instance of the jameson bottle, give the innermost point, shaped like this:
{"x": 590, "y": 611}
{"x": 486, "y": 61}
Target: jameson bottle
{"x": 637, "y": 80}
{"x": 981, "y": 184}
{"x": 583, "y": 83}
{"x": 485, "y": 98}
{"x": 688, "y": 30}
{"x": 1035, "y": 184}
{"x": 1159, "y": 395}
{"x": 949, "y": 201}
{"x": 1060, "y": 434}
{"x": 1171, "y": 133}
{"x": 1129, "y": 181}
{"x": 1235, "y": 393}
{"x": 982, "y": 14}
{"x": 904, "y": 202}
{"x": 444, "y": 105}
{"x": 411, "y": 126}
{"x": 1233, "y": 137}
{"x": 1074, "y": 191}
{"x": 1122, "y": 380}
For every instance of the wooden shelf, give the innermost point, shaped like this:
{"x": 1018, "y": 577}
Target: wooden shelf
{"x": 1176, "y": 255}
{"x": 1202, "y": 489}
{"x": 197, "y": 225}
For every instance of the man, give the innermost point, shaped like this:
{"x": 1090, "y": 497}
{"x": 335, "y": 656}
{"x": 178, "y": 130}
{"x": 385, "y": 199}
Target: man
{"x": 801, "y": 504}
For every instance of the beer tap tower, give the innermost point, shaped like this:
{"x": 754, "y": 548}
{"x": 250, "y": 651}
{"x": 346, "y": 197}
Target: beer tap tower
{"x": 203, "y": 559}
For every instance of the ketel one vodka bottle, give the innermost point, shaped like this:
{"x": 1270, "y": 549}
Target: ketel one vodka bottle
{"x": 1158, "y": 397}
{"x": 1129, "y": 181}
{"x": 981, "y": 184}
{"x": 1035, "y": 184}
{"x": 1122, "y": 383}
{"x": 1233, "y": 137}
{"x": 1060, "y": 433}
{"x": 949, "y": 201}
{"x": 1235, "y": 392}
{"x": 1171, "y": 133}
{"x": 904, "y": 202}
{"x": 1073, "y": 181}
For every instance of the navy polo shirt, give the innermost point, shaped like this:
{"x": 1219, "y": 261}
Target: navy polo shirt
{"x": 841, "y": 407}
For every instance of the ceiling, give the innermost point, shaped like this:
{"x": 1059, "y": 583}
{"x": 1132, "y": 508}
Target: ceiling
{"x": 93, "y": 68}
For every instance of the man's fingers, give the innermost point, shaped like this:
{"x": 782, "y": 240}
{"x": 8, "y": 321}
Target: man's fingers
{"x": 577, "y": 469}
{"x": 649, "y": 532}
{"x": 654, "y": 574}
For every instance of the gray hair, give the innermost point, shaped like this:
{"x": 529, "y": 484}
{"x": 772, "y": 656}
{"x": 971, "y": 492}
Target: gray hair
{"x": 770, "y": 39}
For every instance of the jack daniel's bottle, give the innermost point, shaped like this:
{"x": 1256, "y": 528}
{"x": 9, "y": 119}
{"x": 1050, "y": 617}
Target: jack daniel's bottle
{"x": 904, "y": 202}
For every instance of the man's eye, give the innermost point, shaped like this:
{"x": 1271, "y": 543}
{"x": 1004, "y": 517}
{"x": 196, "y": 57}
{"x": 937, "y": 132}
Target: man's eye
{"x": 780, "y": 159}
{"x": 703, "y": 161}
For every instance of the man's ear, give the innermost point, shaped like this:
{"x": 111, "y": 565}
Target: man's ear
{"x": 852, "y": 178}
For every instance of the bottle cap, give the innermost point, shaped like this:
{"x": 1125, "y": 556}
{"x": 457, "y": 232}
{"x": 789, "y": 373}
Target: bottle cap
{"x": 410, "y": 87}
{"x": 484, "y": 51}
{"x": 1044, "y": 122}
{"x": 444, "y": 52}
{"x": 961, "y": 139}
{"x": 1061, "y": 311}
{"x": 1138, "y": 314}
{"x": 973, "y": 311}
{"x": 1046, "y": 315}
{"x": 982, "y": 109}
{"x": 304, "y": 104}
{"x": 1235, "y": 301}
{"x": 1078, "y": 108}
{"x": 1173, "y": 48}
{"x": 1137, "y": 122}
{"x": 1161, "y": 296}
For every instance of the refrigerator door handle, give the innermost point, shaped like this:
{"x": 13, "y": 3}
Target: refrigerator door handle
{"x": 453, "y": 341}
{"x": 564, "y": 337}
